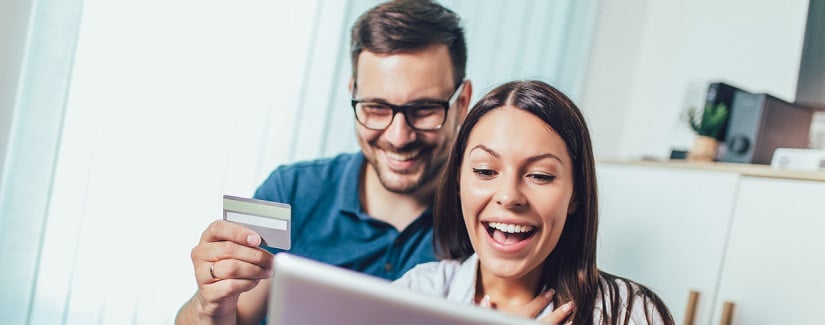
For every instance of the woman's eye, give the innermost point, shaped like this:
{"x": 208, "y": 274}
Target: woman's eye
{"x": 484, "y": 173}
{"x": 541, "y": 178}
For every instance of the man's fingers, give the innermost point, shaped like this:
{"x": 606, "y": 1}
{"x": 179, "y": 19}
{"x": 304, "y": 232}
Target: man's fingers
{"x": 559, "y": 315}
{"x": 227, "y": 260}
{"x": 216, "y": 251}
{"x": 213, "y": 297}
{"x": 220, "y": 230}
{"x": 233, "y": 269}
{"x": 229, "y": 250}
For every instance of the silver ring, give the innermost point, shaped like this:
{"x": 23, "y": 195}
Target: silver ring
{"x": 212, "y": 271}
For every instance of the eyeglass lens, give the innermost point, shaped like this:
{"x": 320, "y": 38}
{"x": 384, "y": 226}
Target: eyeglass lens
{"x": 422, "y": 116}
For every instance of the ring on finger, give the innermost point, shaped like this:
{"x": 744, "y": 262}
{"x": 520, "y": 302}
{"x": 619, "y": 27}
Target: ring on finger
{"x": 212, "y": 271}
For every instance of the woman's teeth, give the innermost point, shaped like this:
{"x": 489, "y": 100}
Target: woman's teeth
{"x": 510, "y": 228}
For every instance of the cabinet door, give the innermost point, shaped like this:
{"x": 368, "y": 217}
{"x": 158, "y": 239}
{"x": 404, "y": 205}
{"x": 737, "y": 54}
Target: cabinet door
{"x": 774, "y": 271}
{"x": 666, "y": 228}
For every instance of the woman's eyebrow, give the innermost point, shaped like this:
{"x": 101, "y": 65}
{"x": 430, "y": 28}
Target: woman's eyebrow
{"x": 486, "y": 149}
{"x": 530, "y": 160}
{"x": 544, "y": 156}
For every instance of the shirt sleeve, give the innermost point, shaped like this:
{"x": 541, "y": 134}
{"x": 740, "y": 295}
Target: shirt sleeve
{"x": 431, "y": 278}
{"x": 640, "y": 307}
{"x": 271, "y": 188}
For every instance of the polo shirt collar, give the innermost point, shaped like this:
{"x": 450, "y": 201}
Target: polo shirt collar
{"x": 349, "y": 199}
{"x": 348, "y": 192}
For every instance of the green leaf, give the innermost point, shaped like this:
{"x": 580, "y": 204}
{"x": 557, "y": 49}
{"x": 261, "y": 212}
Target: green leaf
{"x": 709, "y": 122}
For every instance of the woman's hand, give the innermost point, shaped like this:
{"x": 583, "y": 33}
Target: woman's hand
{"x": 537, "y": 305}
{"x": 559, "y": 315}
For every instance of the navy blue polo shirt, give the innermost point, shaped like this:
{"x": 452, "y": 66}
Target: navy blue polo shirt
{"x": 330, "y": 225}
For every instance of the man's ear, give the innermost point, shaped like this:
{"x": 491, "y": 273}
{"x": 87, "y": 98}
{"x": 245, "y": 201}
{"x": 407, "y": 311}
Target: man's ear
{"x": 463, "y": 104}
{"x": 351, "y": 85}
{"x": 464, "y": 99}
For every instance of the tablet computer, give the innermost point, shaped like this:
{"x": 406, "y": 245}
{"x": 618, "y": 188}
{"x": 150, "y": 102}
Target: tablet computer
{"x": 309, "y": 292}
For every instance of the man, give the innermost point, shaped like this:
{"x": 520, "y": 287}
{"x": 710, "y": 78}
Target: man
{"x": 368, "y": 211}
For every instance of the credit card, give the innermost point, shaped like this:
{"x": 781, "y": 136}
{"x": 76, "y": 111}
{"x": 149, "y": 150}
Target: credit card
{"x": 271, "y": 220}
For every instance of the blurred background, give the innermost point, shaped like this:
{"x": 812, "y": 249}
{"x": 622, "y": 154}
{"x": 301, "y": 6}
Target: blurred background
{"x": 122, "y": 123}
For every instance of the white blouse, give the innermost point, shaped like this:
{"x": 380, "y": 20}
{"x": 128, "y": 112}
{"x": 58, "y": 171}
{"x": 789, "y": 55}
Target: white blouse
{"x": 455, "y": 280}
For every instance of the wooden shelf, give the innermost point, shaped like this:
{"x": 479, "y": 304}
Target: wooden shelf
{"x": 742, "y": 169}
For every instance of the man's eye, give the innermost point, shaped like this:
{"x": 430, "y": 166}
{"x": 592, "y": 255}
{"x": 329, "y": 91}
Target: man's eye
{"x": 424, "y": 110}
{"x": 375, "y": 108}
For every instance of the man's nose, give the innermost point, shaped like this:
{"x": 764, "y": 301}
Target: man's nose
{"x": 399, "y": 133}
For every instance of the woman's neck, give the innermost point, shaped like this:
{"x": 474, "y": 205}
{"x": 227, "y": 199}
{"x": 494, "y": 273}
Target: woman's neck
{"x": 508, "y": 295}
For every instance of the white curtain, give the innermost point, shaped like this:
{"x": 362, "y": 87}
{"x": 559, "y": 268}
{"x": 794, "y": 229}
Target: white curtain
{"x": 173, "y": 103}
{"x": 34, "y": 133}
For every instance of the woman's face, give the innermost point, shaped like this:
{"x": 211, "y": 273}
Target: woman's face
{"x": 516, "y": 190}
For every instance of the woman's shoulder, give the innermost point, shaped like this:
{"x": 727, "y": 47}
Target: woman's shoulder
{"x": 627, "y": 299}
{"x": 432, "y": 278}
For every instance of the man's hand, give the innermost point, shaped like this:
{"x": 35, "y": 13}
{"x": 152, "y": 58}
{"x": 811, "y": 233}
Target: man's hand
{"x": 227, "y": 262}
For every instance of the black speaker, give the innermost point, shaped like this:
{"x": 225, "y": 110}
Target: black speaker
{"x": 760, "y": 123}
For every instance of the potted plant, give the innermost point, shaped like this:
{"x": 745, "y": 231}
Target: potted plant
{"x": 708, "y": 125}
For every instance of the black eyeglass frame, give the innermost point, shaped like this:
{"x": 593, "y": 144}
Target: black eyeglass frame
{"x": 403, "y": 109}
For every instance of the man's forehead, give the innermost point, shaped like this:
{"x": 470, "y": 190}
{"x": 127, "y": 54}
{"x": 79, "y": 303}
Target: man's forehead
{"x": 423, "y": 73}
{"x": 434, "y": 60}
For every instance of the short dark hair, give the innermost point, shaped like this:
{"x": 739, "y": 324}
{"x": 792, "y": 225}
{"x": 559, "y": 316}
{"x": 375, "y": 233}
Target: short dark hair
{"x": 571, "y": 267}
{"x": 409, "y": 25}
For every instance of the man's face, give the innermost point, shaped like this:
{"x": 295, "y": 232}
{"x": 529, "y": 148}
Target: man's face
{"x": 405, "y": 159}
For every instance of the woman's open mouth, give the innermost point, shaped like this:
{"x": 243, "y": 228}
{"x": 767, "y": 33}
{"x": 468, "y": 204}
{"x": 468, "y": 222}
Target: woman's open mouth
{"x": 509, "y": 234}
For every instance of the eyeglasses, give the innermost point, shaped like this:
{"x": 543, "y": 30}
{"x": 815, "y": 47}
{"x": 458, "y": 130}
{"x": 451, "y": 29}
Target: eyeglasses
{"x": 428, "y": 115}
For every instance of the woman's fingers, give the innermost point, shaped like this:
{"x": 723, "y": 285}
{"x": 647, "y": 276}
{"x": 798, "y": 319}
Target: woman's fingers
{"x": 559, "y": 315}
{"x": 534, "y": 308}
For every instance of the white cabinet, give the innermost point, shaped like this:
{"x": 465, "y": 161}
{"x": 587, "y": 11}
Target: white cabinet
{"x": 752, "y": 241}
{"x": 774, "y": 269}
{"x": 666, "y": 228}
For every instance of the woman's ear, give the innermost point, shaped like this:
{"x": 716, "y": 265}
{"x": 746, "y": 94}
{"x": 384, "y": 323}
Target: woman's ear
{"x": 573, "y": 206}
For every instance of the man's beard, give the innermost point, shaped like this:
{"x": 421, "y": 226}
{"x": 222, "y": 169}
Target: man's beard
{"x": 432, "y": 167}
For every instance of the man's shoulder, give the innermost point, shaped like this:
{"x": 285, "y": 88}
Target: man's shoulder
{"x": 337, "y": 164}
{"x": 324, "y": 170}
{"x": 309, "y": 179}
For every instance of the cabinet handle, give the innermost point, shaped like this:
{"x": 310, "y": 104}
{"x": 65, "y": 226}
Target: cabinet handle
{"x": 727, "y": 313}
{"x": 690, "y": 312}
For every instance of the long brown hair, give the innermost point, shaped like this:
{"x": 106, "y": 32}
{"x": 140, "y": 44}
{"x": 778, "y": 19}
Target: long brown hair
{"x": 571, "y": 267}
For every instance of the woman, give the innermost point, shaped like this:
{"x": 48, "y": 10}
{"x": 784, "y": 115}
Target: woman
{"x": 517, "y": 214}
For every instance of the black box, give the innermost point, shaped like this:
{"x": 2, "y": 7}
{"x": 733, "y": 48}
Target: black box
{"x": 760, "y": 123}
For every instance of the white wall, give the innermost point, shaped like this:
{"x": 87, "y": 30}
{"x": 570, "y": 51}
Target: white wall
{"x": 646, "y": 55}
{"x": 170, "y": 104}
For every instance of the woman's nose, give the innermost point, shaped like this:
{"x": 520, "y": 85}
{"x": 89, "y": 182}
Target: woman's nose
{"x": 510, "y": 195}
